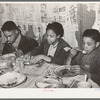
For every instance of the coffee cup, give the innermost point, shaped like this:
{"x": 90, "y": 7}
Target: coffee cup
{"x": 84, "y": 84}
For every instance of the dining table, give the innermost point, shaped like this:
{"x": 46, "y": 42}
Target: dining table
{"x": 34, "y": 72}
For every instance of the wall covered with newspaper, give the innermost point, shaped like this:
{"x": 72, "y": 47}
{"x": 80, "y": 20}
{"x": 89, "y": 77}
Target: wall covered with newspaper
{"x": 33, "y": 18}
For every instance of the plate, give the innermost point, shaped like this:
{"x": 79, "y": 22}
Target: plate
{"x": 11, "y": 79}
{"x": 43, "y": 82}
{"x": 64, "y": 71}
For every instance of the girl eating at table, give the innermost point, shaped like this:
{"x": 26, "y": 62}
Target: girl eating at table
{"x": 87, "y": 62}
{"x": 52, "y": 48}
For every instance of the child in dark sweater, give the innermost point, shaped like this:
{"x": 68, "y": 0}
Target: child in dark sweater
{"x": 52, "y": 48}
{"x": 88, "y": 63}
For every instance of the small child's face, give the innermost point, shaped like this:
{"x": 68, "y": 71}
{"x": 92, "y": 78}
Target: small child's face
{"x": 89, "y": 44}
{"x": 51, "y": 36}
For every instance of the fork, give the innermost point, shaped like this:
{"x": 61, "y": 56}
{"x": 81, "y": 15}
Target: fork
{"x": 72, "y": 83}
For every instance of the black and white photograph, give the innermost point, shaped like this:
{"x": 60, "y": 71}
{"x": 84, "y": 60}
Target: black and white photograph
{"x": 50, "y": 47}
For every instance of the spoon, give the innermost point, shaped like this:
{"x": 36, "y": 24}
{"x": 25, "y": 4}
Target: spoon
{"x": 71, "y": 85}
{"x": 85, "y": 77}
{"x": 83, "y": 51}
{"x": 69, "y": 48}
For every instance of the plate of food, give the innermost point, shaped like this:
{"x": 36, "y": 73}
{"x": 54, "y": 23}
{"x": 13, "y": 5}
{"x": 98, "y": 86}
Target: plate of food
{"x": 64, "y": 71}
{"x": 43, "y": 82}
{"x": 11, "y": 79}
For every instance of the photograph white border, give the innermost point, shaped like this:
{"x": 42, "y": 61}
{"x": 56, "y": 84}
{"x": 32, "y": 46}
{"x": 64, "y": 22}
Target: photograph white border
{"x": 49, "y": 93}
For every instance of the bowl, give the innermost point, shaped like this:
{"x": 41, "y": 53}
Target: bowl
{"x": 84, "y": 84}
{"x": 64, "y": 71}
{"x": 44, "y": 82}
{"x": 5, "y": 64}
{"x": 8, "y": 56}
{"x": 57, "y": 85}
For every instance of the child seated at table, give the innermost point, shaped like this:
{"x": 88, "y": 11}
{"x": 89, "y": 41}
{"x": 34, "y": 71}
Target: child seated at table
{"x": 88, "y": 63}
{"x": 52, "y": 48}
